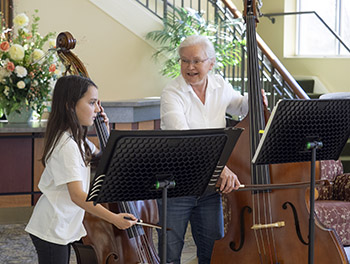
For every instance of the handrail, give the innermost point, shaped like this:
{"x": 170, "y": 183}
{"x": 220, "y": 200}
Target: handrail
{"x": 272, "y": 15}
{"x": 276, "y": 80}
{"x": 271, "y": 57}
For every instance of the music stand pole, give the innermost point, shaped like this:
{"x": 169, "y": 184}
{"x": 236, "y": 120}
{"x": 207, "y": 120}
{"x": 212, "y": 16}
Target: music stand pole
{"x": 164, "y": 185}
{"x": 313, "y": 146}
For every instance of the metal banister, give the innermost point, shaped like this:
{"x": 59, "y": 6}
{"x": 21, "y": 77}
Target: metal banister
{"x": 272, "y": 15}
{"x": 271, "y": 57}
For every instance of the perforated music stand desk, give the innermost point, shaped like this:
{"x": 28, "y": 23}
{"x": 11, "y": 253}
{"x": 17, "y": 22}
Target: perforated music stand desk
{"x": 143, "y": 165}
{"x": 305, "y": 130}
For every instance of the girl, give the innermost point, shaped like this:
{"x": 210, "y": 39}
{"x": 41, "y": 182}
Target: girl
{"x": 57, "y": 219}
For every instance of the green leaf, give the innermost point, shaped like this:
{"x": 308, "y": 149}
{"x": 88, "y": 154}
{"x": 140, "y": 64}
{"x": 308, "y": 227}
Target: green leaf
{"x": 181, "y": 23}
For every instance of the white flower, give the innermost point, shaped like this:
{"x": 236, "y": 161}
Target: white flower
{"x": 21, "y": 20}
{"x": 37, "y": 54}
{"x": 35, "y": 83}
{"x": 21, "y": 84}
{"x": 52, "y": 42}
{"x": 4, "y": 73}
{"x": 21, "y": 71}
{"x": 16, "y": 52}
{"x": 58, "y": 72}
{"x": 6, "y": 90}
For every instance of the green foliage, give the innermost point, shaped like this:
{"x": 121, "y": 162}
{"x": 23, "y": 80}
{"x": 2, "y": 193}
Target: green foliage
{"x": 185, "y": 22}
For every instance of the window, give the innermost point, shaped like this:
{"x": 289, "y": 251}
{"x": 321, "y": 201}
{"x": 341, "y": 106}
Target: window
{"x": 313, "y": 37}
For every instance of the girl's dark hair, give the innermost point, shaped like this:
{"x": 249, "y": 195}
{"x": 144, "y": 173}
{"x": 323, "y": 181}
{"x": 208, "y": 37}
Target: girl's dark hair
{"x": 67, "y": 92}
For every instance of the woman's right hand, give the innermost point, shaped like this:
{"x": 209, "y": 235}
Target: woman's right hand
{"x": 121, "y": 223}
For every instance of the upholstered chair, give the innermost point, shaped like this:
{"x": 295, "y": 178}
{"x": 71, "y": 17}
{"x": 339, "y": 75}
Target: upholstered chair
{"x": 333, "y": 204}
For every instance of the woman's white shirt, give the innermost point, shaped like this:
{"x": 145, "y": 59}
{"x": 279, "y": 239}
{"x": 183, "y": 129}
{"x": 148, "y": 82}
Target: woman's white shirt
{"x": 182, "y": 109}
{"x": 55, "y": 217}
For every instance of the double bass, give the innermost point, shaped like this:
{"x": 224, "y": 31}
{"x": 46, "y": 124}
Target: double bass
{"x": 270, "y": 225}
{"x": 104, "y": 243}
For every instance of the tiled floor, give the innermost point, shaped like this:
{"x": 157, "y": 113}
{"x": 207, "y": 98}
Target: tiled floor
{"x": 189, "y": 251}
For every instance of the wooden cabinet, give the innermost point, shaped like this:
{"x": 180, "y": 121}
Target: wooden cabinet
{"x": 16, "y": 170}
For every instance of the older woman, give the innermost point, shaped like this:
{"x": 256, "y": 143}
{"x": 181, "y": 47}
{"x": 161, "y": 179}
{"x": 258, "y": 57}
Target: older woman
{"x": 198, "y": 99}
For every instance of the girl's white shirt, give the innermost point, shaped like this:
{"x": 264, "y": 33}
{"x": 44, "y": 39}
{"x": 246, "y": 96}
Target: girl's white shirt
{"x": 55, "y": 217}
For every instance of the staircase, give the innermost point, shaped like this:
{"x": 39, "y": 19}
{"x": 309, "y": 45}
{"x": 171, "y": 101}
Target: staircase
{"x": 275, "y": 79}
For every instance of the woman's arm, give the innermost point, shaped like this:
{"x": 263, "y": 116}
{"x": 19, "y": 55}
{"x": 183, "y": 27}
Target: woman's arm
{"x": 172, "y": 113}
{"x": 78, "y": 196}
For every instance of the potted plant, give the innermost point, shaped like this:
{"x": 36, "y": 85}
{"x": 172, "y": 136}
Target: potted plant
{"x": 184, "y": 22}
{"x": 27, "y": 72}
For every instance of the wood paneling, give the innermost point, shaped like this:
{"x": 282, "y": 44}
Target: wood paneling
{"x": 38, "y": 167}
{"x": 16, "y": 164}
{"x": 123, "y": 126}
{"x": 146, "y": 125}
{"x": 15, "y": 201}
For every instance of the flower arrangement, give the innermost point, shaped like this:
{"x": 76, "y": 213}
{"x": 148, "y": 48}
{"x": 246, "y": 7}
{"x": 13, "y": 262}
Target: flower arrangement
{"x": 27, "y": 73}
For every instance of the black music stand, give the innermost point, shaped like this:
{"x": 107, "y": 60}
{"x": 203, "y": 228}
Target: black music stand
{"x": 305, "y": 130}
{"x": 136, "y": 165}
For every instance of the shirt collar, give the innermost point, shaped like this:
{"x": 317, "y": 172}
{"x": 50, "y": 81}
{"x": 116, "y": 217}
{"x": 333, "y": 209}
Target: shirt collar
{"x": 212, "y": 83}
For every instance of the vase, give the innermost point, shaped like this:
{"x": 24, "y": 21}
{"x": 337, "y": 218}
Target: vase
{"x": 24, "y": 116}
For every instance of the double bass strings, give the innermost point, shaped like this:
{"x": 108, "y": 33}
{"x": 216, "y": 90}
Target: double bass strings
{"x": 261, "y": 200}
{"x": 142, "y": 250}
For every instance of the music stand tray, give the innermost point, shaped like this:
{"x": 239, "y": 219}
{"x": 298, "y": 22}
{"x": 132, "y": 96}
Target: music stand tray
{"x": 136, "y": 165}
{"x": 305, "y": 130}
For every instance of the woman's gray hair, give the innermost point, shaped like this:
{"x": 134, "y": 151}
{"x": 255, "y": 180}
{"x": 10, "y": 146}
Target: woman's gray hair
{"x": 203, "y": 41}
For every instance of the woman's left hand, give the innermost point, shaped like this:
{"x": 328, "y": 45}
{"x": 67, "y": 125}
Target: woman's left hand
{"x": 264, "y": 98}
{"x": 229, "y": 181}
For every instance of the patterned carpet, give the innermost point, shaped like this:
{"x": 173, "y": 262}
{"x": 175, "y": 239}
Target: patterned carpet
{"x": 16, "y": 247}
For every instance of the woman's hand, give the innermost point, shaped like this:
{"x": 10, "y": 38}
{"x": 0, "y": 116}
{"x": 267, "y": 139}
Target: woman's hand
{"x": 264, "y": 98}
{"x": 120, "y": 222}
{"x": 229, "y": 181}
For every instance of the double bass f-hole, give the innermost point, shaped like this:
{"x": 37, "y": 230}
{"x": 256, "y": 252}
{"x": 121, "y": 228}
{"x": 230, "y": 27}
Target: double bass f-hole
{"x": 261, "y": 228}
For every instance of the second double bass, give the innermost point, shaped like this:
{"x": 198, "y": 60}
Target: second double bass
{"x": 268, "y": 226}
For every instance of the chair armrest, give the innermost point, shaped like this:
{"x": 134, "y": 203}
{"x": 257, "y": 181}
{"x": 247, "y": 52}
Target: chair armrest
{"x": 341, "y": 187}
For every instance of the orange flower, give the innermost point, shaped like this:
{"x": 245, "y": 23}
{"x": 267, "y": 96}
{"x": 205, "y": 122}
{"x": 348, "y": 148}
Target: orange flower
{"x": 31, "y": 75}
{"x": 10, "y": 66}
{"x": 52, "y": 68}
{"x": 5, "y": 46}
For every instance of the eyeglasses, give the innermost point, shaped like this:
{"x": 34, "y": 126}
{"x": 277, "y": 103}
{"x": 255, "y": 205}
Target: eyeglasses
{"x": 194, "y": 62}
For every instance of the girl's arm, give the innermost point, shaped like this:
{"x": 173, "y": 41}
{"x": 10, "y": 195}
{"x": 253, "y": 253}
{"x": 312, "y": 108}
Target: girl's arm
{"x": 78, "y": 196}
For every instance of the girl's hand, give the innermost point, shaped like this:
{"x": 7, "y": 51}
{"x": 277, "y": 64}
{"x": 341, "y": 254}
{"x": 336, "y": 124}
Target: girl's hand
{"x": 103, "y": 114}
{"x": 120, "y": 222}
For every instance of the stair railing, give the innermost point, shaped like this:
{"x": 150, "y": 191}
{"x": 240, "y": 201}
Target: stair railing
{"x": 276, "y": 80}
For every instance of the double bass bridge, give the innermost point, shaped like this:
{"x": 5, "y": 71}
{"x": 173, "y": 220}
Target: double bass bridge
{"x": 265, "y": 226}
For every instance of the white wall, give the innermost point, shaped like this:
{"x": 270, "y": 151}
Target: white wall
{"x": 331, "y": 73}
{"x": 120, "y": 62}
{"x": 117, "y": 60}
